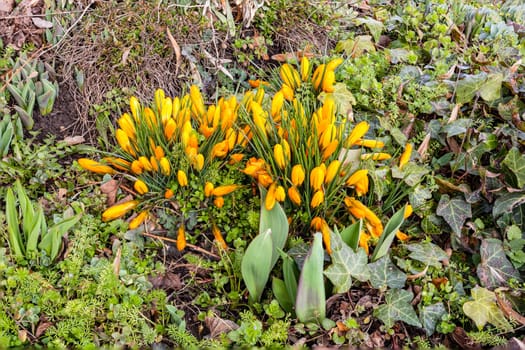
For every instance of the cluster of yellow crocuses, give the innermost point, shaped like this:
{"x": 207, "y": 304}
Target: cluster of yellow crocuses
{"x": 300, "y": 146}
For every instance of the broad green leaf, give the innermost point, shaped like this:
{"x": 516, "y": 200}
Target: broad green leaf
{"x": 350, "y": 234}
{"x": 34, "y": 234}
{"x": 506, "y": 202}
{"x": 281, "y": 294}
{"x": 342, "y": 97}
{"x": 52, "y": 239}
{"x": 26, "y": 208}
{"x": 491, "y": 88}
{"x": 419, "y": 196}
{"x": 454, "y": 211}
{"x": 411, "y": 173}
{"x": 457, "y": 127}
{"x": 346, "y": 264}
{"x": 428, "y": 253}
{"x": 467, "y": 88}
{"x": 15, "y": 241}
{"x": 389, "y": 232}
{"x": 257, "y": 263}
{"x": 383, "y": 273}
{"x": 357, "y": 46}
{"x": 277, "y": 221}
{"x": 397, "y": 307}
{"x": 375, "y": 27}
{"x": 515, "y": 161}
{"x": 399, "y": 55}
{"x": 430, "y": 315}
{"x": 484, "y": 309}
{"x": 290, "y": 274}
{"x": 494, "y": 269}
{"x": 310, "y": 304}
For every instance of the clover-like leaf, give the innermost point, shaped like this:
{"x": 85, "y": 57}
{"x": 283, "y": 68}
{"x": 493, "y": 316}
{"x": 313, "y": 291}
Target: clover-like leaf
{"x": 383, "y": 273}
{"x": 484, "y": 309}
{"x": 428, "y": 253}
{"x": 430, "y": 315}
{"x": 515, "y": 161}
{"x": 397, "y": 308}
{"x": 346, "y": 264}
{"x": 495, "y": 269}
{"x": 455, "y": 211}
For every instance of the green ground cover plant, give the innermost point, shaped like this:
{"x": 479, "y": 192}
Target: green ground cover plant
{"x": 366, "y": 190}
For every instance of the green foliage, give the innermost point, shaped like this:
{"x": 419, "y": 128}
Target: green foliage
{"x": 484, "y": 309}
{"x": 28, "y": 230}
{"x": 397, "y": 308}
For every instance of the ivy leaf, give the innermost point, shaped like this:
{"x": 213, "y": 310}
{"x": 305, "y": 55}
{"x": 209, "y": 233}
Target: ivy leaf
{"x": 484, "y": 309}
{"x": 356, "y": 47}
{"x": 419, "y": 196}
{"x": 383, "y": 273}
{"x": 491, "y": 88}
{"x": 467, "y": 88}
{"x": 455, "y": 211}
{"x": 428, "y": 253}
{"x": 346, "y": 263}
{"x": 507, "y": 202}
{"x": 397, "y": 308}
{"x": 495, "y": 269}
{"x": 430, "y": 315}
{"x": 411, "y": 173}
{"x": 515, "y": 161}
{"x": 375, "y": 27}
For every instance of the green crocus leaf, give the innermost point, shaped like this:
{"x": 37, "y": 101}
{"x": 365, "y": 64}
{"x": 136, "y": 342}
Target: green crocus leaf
{"x": 257, "y": 263}
{"x": 397, "y": 307}
{"x": 454, "y": 211}
{"x": 484, "y": 309}
{"x": 275, "y": 220}
{"x": 310, "y": 304}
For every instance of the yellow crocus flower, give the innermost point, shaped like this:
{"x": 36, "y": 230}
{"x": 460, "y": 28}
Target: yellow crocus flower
{"x": 376, "y": 156}
{"x": 182, "y": 178}
{"x": 181, "y": 238}
{"x": 224, "y": 190}
{"x": 166, "y": 110}
{"x": 138, "y": 220}
{"x": 154, "y": 163}
{"x": 298, "y": 175}
{"x": 269, "y": 201}
{"x": 134, "y": 105}
{"x": 219, "y": 202}
{"x": 357, "y": 177}
{"x": 140, "y": 187}
{"x": 118, "y": 210}
{"x": 318, "y": 75}
{"x": 146, "y": 165}
{"x": 330, "y": 149}
{"x": 159, "y": 97}
{"x": 264, "y": 179}
{"x": 317, "y": 177}
{"x": 137, "y": 167}
{"x": 278, "y": 155}
{"x": 290, "y": 76}
{"x": 405, "y": 157}
{"x": 305, "y": 68}
{"x": 169, "y": 128}
{"x": 370, "y": 143}
{"x": 333, "y": 64}
{"x": 159, "y": 152}
{"x": 123, "y": 141}
{"x": 197, "y": 101}
{"x": 95, "y": 166}
{"x": 199, "y": 162}
{"x": 357, "y": 133}
{"x": 118, "y": 163}
{"x": 168, "y": 193}
{"x": 317, "y": 199}
{"x": 218, "y": 237}
{"x": 165, "y": 166}
{"x": 277, "y": 103}
{"x": 408, "y": 211}
{"x": 288, "y": 93}
{"x": 332, "y": 171}
{"x": 280, "y": 195}
{"x": 208, "y": 189}
{"x": 327, "y": 85}
{"x": 126, "y": 123}
{"x": 294, "y": 195}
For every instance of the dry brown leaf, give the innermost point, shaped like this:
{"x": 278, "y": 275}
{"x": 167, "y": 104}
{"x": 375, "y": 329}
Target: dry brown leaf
{"x": 218, "y": 326}
{"x": 6, "y": 5}
{"x": 43, "y": 325}
{"x": 507, "y": 309}
{"x": 116, "y": 262}
{"x": 110, "y": 189}
{"x": 168, "y": 281}
{"x": 176, "y": 49}
{"x": 74, "y": 140}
